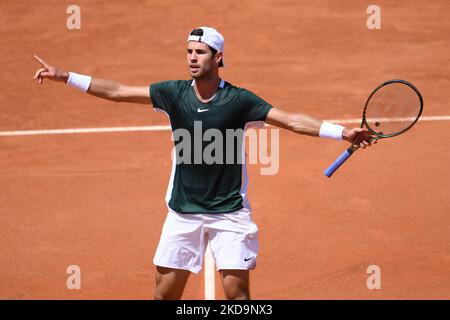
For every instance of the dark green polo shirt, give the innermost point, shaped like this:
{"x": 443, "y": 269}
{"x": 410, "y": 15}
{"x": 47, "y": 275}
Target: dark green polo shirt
{"x": 211, "y": 176}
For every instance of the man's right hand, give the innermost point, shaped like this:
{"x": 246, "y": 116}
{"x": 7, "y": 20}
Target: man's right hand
{"x": 105, "y": 89}
{"x": 49, "y": 72}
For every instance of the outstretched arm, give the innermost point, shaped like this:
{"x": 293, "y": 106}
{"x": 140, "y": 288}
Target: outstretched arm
{"x": 307, "y": 125}
{"x": 106, "y": 89}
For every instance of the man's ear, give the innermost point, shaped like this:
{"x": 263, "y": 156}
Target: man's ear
{"x": 218, "y": 57}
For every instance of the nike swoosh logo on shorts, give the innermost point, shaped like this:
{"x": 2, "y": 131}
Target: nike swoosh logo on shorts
{"x": 202, "y": 110}
{"x": 246, "y": 259}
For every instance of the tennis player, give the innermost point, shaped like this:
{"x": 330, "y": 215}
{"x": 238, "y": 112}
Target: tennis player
{"x": 206, "y": 202}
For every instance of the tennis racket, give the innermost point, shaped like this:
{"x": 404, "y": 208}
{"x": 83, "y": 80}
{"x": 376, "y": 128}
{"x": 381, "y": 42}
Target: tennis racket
{"x": 391, "y": 109}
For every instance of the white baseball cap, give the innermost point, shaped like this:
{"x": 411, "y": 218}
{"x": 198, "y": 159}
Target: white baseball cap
{"x": 211, "y": 37}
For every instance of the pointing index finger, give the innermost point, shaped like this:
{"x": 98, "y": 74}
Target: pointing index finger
{"x": 42, "y": 62}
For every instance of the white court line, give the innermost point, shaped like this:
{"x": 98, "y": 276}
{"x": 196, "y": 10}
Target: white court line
{"x": 210, "y": 274}
{"x": 82, "y": 130}
{"x": 155, "y": 128}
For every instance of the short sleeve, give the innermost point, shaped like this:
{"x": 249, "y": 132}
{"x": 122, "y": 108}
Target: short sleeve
{"x": 163, "y": 95}
{"x": 254, "y": 108}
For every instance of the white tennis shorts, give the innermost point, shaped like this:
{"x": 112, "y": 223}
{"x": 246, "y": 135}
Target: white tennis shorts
{"x": 233, "y": 239}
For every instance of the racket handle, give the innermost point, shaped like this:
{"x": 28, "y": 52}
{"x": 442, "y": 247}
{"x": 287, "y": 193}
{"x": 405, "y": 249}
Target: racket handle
{"x": 339, "y": 161}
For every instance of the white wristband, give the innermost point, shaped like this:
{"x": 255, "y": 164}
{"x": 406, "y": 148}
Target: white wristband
{"x": 79, "y": 81}
{"x": 331, "y": 131}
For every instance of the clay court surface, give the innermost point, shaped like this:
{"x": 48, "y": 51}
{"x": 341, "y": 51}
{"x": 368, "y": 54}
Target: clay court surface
{"x": 96, "y": 200}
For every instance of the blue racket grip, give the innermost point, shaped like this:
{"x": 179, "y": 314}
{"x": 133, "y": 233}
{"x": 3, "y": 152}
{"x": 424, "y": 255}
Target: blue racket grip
{"x": 339, "y": 161}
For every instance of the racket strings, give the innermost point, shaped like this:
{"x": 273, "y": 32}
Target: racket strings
{"x": 392, "y": 109}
